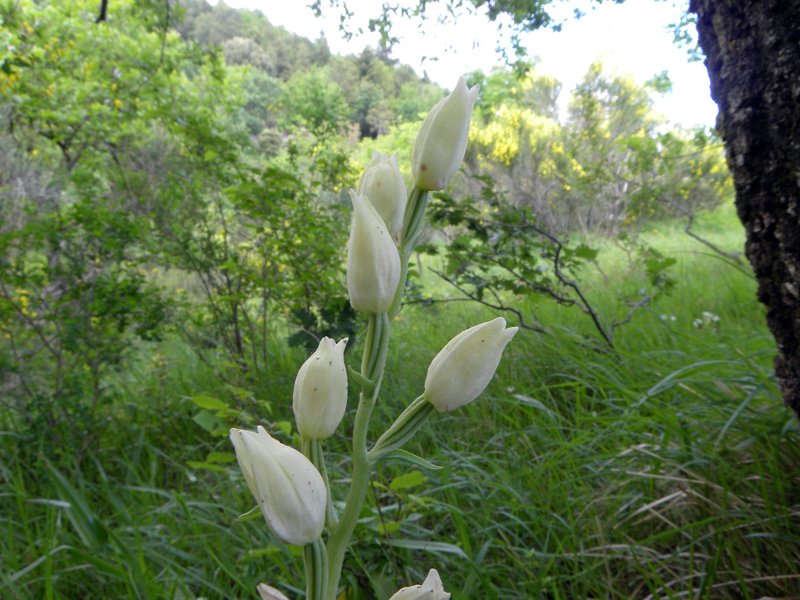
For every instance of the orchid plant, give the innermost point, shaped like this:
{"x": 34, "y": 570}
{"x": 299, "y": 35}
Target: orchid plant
{"x": 292, "y": 487}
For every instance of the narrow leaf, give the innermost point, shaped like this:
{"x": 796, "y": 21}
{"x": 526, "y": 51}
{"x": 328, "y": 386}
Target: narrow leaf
{"x": 438, "y": 547}
{"x": 412, "y": 458}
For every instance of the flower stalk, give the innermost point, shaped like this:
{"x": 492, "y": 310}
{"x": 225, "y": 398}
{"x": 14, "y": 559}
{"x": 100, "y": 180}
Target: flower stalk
{"x": 412, "y": 229}
{"x": 373, "y": 363}
{"x": 315, "y": 562}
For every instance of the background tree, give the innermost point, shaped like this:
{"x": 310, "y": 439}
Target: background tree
{"x": 752, "y": 53}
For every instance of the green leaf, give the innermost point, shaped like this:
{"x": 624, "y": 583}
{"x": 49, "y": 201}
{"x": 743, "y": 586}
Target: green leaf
{"x": 91, "y": 530}
{"x": 407, "y": 481}
{"x": 412, "y": 458}
{"x": 586, "y": 252}
{"x": 438, "y": 547}
{"x": 103, "y": 566}
{"x": 240, "y": 393}
{"x": 207, "y": 421}
{"x": 251, "y": 514}
{"x": 220, "y": 457}
{"x": 358, "y": 379}
{"x": 204, "y": 465}
{"x": 388, "y": 528}
{"x": 522, "y": 399}
{"x": 260, "y": 553}
{"x": 208, "y": 402}
{"x": 285, "y": 427}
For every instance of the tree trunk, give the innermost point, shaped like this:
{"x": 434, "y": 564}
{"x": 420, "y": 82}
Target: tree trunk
{"x": 752, "y": 50}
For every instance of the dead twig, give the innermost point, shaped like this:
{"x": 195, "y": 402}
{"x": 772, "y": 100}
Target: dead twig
{"x": 499, "y": 306}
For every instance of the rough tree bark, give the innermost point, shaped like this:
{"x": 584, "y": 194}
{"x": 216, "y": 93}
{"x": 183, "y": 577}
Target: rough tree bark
{"x": 752, "y": 50}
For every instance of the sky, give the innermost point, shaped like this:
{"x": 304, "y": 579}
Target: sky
{"x": 631, "y": 39}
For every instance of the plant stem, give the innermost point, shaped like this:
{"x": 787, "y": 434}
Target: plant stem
{"x": 316, "y": 565}
{"x": 312, "y": 450}
{"x": 372, "y": 366}
{"x": 412, "y": 228}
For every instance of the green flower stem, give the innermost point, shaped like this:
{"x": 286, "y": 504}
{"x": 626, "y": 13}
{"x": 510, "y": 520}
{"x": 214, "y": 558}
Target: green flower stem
{"x": 412, "y": 220}
{"x": 372, "y": 366}
{"x": 403, "y": 428}
{"x": 316, "y": 565}
{"x": 312, "y": 450}
{"x": 412, "y": 228}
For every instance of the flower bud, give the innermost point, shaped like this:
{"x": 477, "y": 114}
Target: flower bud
{"x": 431, "y": 589}
{"x": 288, "y": 488}
{"x": 267, "y": 592}
{"x": 464, "y": 367}
{"x": 320, "y": 391}
{"x": 373, "y": 261}
{"x": 442, "y": 139}
{"x": 383, "y": 184}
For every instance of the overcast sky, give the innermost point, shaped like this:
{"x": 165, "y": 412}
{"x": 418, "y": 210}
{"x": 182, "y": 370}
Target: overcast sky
{"x": 631, "y": 38}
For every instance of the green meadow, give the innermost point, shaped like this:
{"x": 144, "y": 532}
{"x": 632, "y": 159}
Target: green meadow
{"x": 662, "y": 468}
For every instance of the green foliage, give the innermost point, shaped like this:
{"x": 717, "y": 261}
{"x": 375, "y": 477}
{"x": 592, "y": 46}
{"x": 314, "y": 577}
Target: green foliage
{"x": 529, "y": 91}
{"x": 73, "y": 298}
{"x": 72, "y": 279}
{"x": 498, "y": 254}
{"x": 262, "y": 94}
{"x": 664, "y": 467}
{"x": 313, "y": 101}
{"x": 368, "y": 93}
{"x": 613, "y": 166}
{"x": 132, "y": 156}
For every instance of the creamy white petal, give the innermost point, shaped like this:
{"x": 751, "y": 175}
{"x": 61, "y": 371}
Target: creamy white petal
{"x": 442, "y": 139}
{"x": 466, "y": 365}
{"x": 373, "y": 261}
{"x": 288, "y": 488}
{"x": 320, "y": 391}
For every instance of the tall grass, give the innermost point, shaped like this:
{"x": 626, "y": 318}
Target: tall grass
{"x": 666, "y": 468}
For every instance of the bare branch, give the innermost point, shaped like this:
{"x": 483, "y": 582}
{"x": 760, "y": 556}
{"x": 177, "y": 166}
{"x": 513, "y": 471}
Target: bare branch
{"x": 645, "y": 301}
{"x": 103, "y": 11}
{"x": 734, "y": 256}
{"x": 499, "y": 306}
{"x": 584, "y": 303}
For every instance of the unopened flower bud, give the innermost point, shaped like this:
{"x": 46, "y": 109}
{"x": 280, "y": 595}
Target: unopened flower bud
{"x": 442, "y": 138}
{"x": 320, "y": 391}
{"x": 288, "y": 488}
{"x": 373, "y": 261}
{"x": 267, "y": 592}
{"x": 464, "y": 367}
{"x": 383, "y": 184}
{"x": 431, "y": 589}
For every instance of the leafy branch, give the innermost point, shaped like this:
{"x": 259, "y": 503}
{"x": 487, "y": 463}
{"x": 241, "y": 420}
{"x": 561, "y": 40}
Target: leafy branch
{"x": 497, "y": 253}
